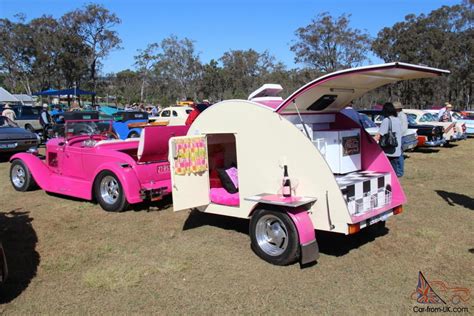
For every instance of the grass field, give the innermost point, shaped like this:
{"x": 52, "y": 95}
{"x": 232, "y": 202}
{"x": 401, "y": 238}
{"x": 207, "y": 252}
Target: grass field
{"x": 69, "y": 256}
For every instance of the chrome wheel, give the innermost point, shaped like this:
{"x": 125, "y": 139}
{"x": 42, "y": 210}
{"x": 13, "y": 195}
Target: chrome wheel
{"x": 18, "y": 175}
{"x": 271, "y": 235}
{"x": 109, "y": 189}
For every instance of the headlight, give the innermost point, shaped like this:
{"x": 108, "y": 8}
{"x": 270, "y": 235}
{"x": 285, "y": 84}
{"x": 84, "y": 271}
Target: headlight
{"x": 33, "y": 150}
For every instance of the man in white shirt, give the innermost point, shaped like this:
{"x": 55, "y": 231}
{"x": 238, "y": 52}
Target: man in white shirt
{"x": 401, "y": 115}
{"x": 8, "y": 112}
{"x": 444, "y": 114}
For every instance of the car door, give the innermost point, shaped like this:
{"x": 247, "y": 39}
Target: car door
{"x": 71, "y": 161}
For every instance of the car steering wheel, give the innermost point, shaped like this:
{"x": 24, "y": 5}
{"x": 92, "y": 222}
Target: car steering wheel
{"x": 109, "y": 135}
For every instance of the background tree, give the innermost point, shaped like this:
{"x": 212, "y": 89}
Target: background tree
{"x": 244, "y": 71}
{"x": 94, "y": 24}
{"x": 212, "y": 85}
{"x": 16, "y": 53}
{"x": 445, "y": 39}
{"x": 145, "y": 61}
{"x": 127, "y": 86}
{"x": 179, "y": 67}
{"x": 329, "y": 44}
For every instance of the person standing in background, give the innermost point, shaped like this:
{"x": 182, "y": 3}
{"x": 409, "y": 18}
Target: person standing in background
{"x": 393, "y": 123}
{"x": 444, "y": 114}
{"x": 154, "y": 111}
{"x": 45, "y": 121}
{"x": 404, "y": 120}
{"x": 401, "y": 115}
{"x": 351, "y": 113}
{"x": 8, "y": 112}
{"x": 198, "y": 109}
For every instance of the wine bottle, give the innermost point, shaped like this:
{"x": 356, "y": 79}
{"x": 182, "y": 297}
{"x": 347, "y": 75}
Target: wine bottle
{"x": 286, "y": 190}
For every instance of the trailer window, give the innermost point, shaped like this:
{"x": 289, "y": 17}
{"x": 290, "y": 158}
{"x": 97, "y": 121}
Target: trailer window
{"x": 323, "y": 102}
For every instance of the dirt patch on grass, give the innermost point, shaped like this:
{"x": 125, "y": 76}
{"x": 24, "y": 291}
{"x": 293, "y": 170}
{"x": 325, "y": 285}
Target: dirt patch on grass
{"x": 69, "y": 256}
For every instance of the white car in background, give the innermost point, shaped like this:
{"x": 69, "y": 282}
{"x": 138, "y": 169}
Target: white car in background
{"x": 462, "y": 131}
{"x": 173, "y": 115}
{"x": 452, "y": 131}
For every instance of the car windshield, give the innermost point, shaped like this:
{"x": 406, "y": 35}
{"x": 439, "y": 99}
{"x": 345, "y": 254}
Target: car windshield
{"x": 428, "y": 117}
{"x": 366, "y": 121}
{"x": 457, "y": 116}
{"x": 411, "y": 119}
{"x": 6, "y": 122}
{"x": 88, "y": 127}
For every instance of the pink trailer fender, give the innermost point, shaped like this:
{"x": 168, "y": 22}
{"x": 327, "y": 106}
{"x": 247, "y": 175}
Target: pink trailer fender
{"x": 127, "y": 177}
{"x": 306, "y": 233}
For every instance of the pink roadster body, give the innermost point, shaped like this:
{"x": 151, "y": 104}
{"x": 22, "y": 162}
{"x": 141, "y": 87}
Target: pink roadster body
{"x": 114, "y": 172}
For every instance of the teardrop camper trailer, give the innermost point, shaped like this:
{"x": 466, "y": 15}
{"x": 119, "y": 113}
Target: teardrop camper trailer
{"x": 233, "y": 158}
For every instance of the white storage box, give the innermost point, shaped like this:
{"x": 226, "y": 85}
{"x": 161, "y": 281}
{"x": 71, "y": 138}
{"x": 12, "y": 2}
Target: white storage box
{"x": 365, "y": 191}
{"x": 340, "y": 148}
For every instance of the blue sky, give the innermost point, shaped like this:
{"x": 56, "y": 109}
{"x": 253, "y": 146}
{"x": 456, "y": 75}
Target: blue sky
{"x": 220, "y": 26}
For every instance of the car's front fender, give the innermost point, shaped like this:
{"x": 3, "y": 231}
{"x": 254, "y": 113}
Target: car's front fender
{"x": 127, "y": 177}
{"x": 38, "y": 169}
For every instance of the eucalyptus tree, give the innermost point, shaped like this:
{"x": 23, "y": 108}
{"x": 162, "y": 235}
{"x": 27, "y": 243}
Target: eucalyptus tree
{"x": 94, "y": 24}
{"x": 328, "y": 44}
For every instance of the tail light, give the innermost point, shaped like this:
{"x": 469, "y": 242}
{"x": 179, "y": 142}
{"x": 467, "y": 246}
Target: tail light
{"x": 397, "y": 210}
{"x": 354, "y": 228}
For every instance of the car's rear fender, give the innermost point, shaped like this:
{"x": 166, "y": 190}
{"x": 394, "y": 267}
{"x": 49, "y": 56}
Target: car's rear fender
{"x": 127, "y": 177}
{"x": 38, "y": 169}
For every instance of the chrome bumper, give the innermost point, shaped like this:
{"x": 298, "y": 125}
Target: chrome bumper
{"x": 435, "y": 143}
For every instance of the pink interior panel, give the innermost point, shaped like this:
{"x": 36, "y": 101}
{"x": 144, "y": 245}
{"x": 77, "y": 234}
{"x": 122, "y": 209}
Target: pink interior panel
{"x": 373, "y": 159}
{"x": 154, "y": 143}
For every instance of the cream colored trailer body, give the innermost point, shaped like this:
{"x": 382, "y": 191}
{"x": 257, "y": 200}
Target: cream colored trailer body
{"x": 261, "y": 139}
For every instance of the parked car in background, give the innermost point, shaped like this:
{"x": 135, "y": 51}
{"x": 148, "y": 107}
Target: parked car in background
{"x": 58, "y": 126}
{"x": 409, "y": 139}
{"x": 428, "y": 136}
{"x": 14, "y": 138}
{"x": 425, "y": 118}
{"x": 27, "y": 116}
{"x": 173, "y": 115}
{"x": 124, "y": 120}
{"x": 468, "y": 123}
{"x": 460, "y": 126}
{"x": 86, "y": 164}
{"x": 468, "y": 115}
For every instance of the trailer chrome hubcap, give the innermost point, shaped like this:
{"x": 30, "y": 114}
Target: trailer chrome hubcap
{"x": 109, "y": 189}
{"x": 271, "y": 235}
{"x": 18, "y": 176}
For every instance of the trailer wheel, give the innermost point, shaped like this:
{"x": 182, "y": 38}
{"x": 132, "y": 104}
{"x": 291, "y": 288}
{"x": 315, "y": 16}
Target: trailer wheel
{"x": 109, "y": 192}
{"x": 20, "y": 176}
{"x": 274, "y": 237}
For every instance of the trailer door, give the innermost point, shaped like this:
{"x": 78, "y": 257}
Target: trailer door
{"x": 189, "y": 172}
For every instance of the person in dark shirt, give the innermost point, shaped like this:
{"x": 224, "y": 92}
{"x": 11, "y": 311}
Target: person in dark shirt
{"x": 198, "y": 109}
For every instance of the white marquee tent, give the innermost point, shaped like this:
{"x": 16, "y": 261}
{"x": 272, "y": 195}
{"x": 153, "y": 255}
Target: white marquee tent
{"x": 6, "y": 96}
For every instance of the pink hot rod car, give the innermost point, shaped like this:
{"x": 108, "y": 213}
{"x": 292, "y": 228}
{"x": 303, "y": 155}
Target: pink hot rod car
{"x": 87, "y": 165}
